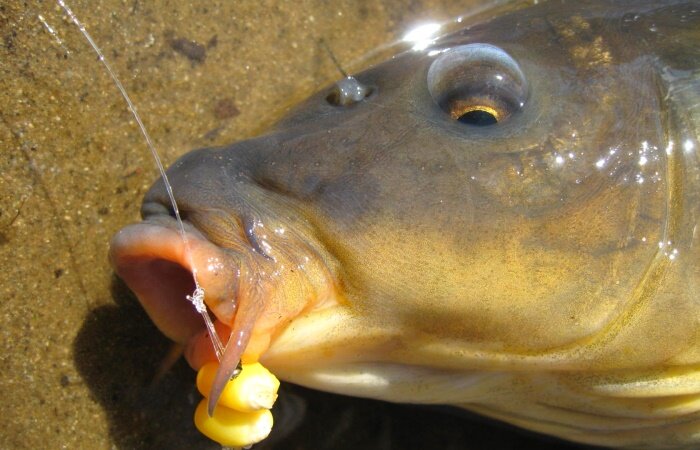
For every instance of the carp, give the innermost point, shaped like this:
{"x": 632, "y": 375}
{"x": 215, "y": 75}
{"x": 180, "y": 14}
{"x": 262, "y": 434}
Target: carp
{"x": 504, "y": 220}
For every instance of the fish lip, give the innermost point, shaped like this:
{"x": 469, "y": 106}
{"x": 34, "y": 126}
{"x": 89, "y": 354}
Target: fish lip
{"x": 164, "y": 265}
{"x": 145, "y": 253}
{"x": 158, "y": 265}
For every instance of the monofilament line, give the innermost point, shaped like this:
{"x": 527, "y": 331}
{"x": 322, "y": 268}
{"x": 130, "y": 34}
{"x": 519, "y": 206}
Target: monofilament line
{"x": 197, "y": 297}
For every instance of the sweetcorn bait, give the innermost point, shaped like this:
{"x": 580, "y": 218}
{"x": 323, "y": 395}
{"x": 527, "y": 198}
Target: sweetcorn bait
{"x": 242, "y": 416}
{"x": 232, "y": 428}
{"x": 255, "y": 388}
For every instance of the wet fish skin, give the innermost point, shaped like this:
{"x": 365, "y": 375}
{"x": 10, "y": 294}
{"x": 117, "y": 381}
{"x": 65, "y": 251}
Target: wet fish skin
{"x": 542, "y": 270}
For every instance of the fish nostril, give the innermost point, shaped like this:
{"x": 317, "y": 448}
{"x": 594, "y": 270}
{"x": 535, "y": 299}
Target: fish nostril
{"x": 348, "y": 91}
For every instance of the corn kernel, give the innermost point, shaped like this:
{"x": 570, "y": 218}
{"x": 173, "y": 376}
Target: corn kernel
{"x": 255, "y": 388}
{"x": 232, "y": 428}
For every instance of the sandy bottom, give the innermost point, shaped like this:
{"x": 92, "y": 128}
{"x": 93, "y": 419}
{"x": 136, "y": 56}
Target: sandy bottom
{"x": 77, "y": 353}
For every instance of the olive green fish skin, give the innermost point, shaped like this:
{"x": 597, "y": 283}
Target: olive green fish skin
{"x": 543, "y": 269}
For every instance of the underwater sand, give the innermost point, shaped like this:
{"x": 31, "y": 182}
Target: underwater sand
{"x": 77, "y": 354}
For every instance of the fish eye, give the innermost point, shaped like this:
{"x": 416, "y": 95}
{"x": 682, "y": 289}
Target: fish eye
{"x": 477, "y": 84}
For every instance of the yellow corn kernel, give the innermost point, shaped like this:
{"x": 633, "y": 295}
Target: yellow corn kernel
{"x": 232, "y": 428}
{"x": 255, "y": 388}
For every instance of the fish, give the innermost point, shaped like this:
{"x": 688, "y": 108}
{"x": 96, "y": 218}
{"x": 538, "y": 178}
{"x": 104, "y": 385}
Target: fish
{"x": 504, "y": 220}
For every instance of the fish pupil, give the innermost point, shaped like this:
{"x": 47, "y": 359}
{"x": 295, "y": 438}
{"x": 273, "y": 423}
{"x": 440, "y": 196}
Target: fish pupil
{"x": 478, "y": 117}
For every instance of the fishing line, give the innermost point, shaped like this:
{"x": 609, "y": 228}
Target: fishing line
{"x": 197, "y": 296}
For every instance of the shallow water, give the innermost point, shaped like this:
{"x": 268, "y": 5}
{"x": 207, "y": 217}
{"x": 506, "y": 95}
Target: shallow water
{"x": 77, "y": 353}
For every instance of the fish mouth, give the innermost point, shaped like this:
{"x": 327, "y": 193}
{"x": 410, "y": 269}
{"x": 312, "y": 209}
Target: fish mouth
{"x": 246, "y": 292}
{"x": 157, "y": 264}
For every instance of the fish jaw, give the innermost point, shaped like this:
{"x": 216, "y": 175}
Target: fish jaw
{"x": 251, "y": 297}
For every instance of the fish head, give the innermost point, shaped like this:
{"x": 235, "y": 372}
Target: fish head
{"x": 494, "y": 203}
